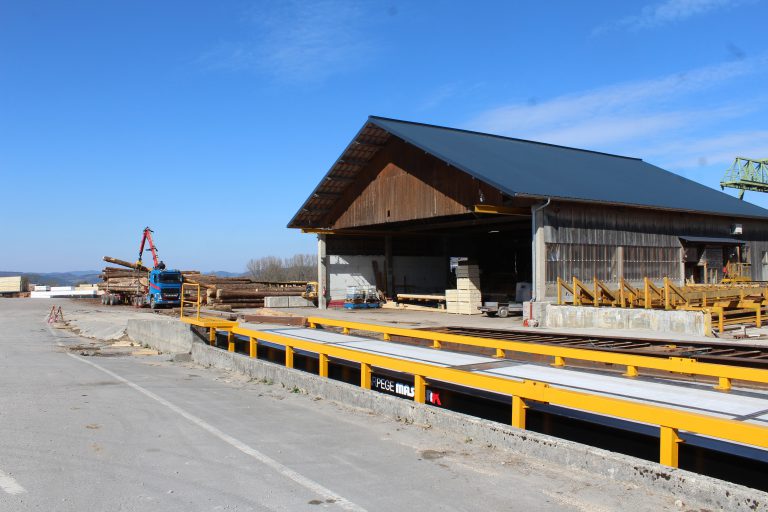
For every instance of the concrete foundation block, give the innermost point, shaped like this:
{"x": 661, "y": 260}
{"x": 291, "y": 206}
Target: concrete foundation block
{"x": 300, "y": 302}
{"x": 163, "y": 334}
{"x": 680, "y": 322}
{"x": 276, "y": 302}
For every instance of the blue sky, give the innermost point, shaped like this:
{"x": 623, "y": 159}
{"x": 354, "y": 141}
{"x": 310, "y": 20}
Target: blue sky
{"x": 211, "y": 122}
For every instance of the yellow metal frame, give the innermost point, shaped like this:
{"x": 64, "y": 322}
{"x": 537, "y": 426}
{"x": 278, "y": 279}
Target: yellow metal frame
{"x": 561, "y": 354}
{"x": 501, "y": 210}
{"x": 670, "y": 421}
{"x": 196, "y": 303}
{"x": 724, "y": 304}
{"x": 195, "y": 317}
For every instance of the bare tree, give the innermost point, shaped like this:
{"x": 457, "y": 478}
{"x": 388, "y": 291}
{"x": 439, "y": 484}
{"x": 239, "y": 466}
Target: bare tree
{"x": 299, "y": 267}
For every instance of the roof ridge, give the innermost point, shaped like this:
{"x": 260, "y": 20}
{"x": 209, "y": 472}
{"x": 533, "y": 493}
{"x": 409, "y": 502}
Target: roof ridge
{"x": 474, "y": 132}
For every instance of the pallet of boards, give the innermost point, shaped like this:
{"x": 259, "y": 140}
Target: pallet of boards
{"x": 467, "y": 298}
{"x": 460, "y": 303}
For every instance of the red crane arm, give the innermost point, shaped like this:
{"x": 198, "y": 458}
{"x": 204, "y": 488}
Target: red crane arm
{"x": 147, "y": 237}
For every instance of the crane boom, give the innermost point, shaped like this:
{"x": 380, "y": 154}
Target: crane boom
{"x": 747, "y": 174}
{"x": 147, "y": 237}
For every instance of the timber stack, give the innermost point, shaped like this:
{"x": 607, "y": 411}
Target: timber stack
{"x": 219, "y": 292}
{"x": 243, "y": 292}
{"x": 114, "y": 279}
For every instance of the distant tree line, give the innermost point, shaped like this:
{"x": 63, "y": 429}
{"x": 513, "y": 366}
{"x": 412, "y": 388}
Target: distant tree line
{"x": 299, "y": 267}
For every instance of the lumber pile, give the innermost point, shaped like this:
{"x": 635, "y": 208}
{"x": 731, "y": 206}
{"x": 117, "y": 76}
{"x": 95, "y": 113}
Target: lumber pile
{"x": 467, "y": 298}
{"x": 243, "y": 292}
{"x": 219, "y": 292}
{"x": 114, "y": 279}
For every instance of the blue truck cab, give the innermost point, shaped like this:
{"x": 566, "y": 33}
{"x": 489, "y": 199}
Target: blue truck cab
{"x": 164, "y": 288}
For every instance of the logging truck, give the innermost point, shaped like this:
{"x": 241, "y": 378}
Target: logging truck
{"x": 162, "y": 288}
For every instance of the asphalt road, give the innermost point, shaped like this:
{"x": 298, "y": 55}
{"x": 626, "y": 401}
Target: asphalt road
{"x": 140, "y": 432}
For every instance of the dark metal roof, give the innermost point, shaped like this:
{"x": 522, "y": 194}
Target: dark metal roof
{"x": 527, "y": 169}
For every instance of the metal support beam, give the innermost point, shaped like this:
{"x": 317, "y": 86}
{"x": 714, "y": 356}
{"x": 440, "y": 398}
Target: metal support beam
{"x": 419, "y": 389}
{"x": 501, "y": 210}
{"x": 365, "y": 376}
{"x": 253, "y": 348}
{"x": 669, "y": 447}
{"x": 518, "y": 412}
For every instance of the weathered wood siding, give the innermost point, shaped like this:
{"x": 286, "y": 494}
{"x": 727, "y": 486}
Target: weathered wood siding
{"x": 614, "y": 227}
{"x": 403, "y": 183}
{"x": 621, "y": 226}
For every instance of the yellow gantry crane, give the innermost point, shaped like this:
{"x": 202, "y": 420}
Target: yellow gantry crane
{"x": 747, "y": 174}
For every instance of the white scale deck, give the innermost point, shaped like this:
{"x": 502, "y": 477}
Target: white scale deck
{"x": 749, "y": 406}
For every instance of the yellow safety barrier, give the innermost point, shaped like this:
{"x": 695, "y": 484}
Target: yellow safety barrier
{"x": 670, "y": 421}
{"x": 194, "y": 317}
{"x": 683, "y": 365}
{"x": 186, "y": 287}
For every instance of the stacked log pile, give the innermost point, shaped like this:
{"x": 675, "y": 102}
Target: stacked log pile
{"x": 219, "y": 292}
{"x": 243, "y": 292}
{"x": 115, "y": 279}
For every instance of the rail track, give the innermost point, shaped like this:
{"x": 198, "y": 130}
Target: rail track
{"x": 754, "y": 356}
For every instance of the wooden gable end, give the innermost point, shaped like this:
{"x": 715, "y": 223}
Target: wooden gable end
{"x": 402, "y": 183}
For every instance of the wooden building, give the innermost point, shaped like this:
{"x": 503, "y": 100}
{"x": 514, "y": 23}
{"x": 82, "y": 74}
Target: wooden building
{"x": 405, "y": 200}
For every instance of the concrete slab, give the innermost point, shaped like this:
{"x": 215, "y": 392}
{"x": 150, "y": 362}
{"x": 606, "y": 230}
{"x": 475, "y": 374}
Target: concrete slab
{"x": 79, "y": 427}
{"x": 681, "y": 396}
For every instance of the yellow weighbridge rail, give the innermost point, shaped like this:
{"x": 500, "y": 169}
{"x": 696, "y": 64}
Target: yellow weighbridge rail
{"x": 670, "y": 421}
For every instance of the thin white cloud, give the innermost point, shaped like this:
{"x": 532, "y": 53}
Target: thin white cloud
{"x": 607, "y": 113}
{"x": 297, "y": 40}
{"x": 606, "y": 131}
{"x": 671, "y": 11}
{"x": 719, "y": 150}
{"x": 693, "y": 123}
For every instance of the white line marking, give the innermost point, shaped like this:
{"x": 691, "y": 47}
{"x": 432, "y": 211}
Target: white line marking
{"x": 9, "y": 484}
{"x": 287, "y": 472}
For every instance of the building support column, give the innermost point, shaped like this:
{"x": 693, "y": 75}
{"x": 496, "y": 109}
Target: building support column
{"x": 619, "y": 264}
{"x": 389, "y": 275}
{"x": 538, "y": 253}
{"x": 322, "y": 272}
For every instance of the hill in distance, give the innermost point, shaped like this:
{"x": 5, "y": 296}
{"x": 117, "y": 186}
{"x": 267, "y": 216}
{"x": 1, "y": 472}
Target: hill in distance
{"x": 57, "y": 278}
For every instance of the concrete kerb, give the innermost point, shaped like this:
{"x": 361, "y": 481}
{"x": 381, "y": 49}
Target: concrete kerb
{"x": 715, "y": 493}
{"x": 163, "y": 334}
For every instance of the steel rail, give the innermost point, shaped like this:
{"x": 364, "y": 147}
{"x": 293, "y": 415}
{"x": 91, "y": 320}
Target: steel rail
{"x": 633, "y": 362}
{"x": 723, "y": 353}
